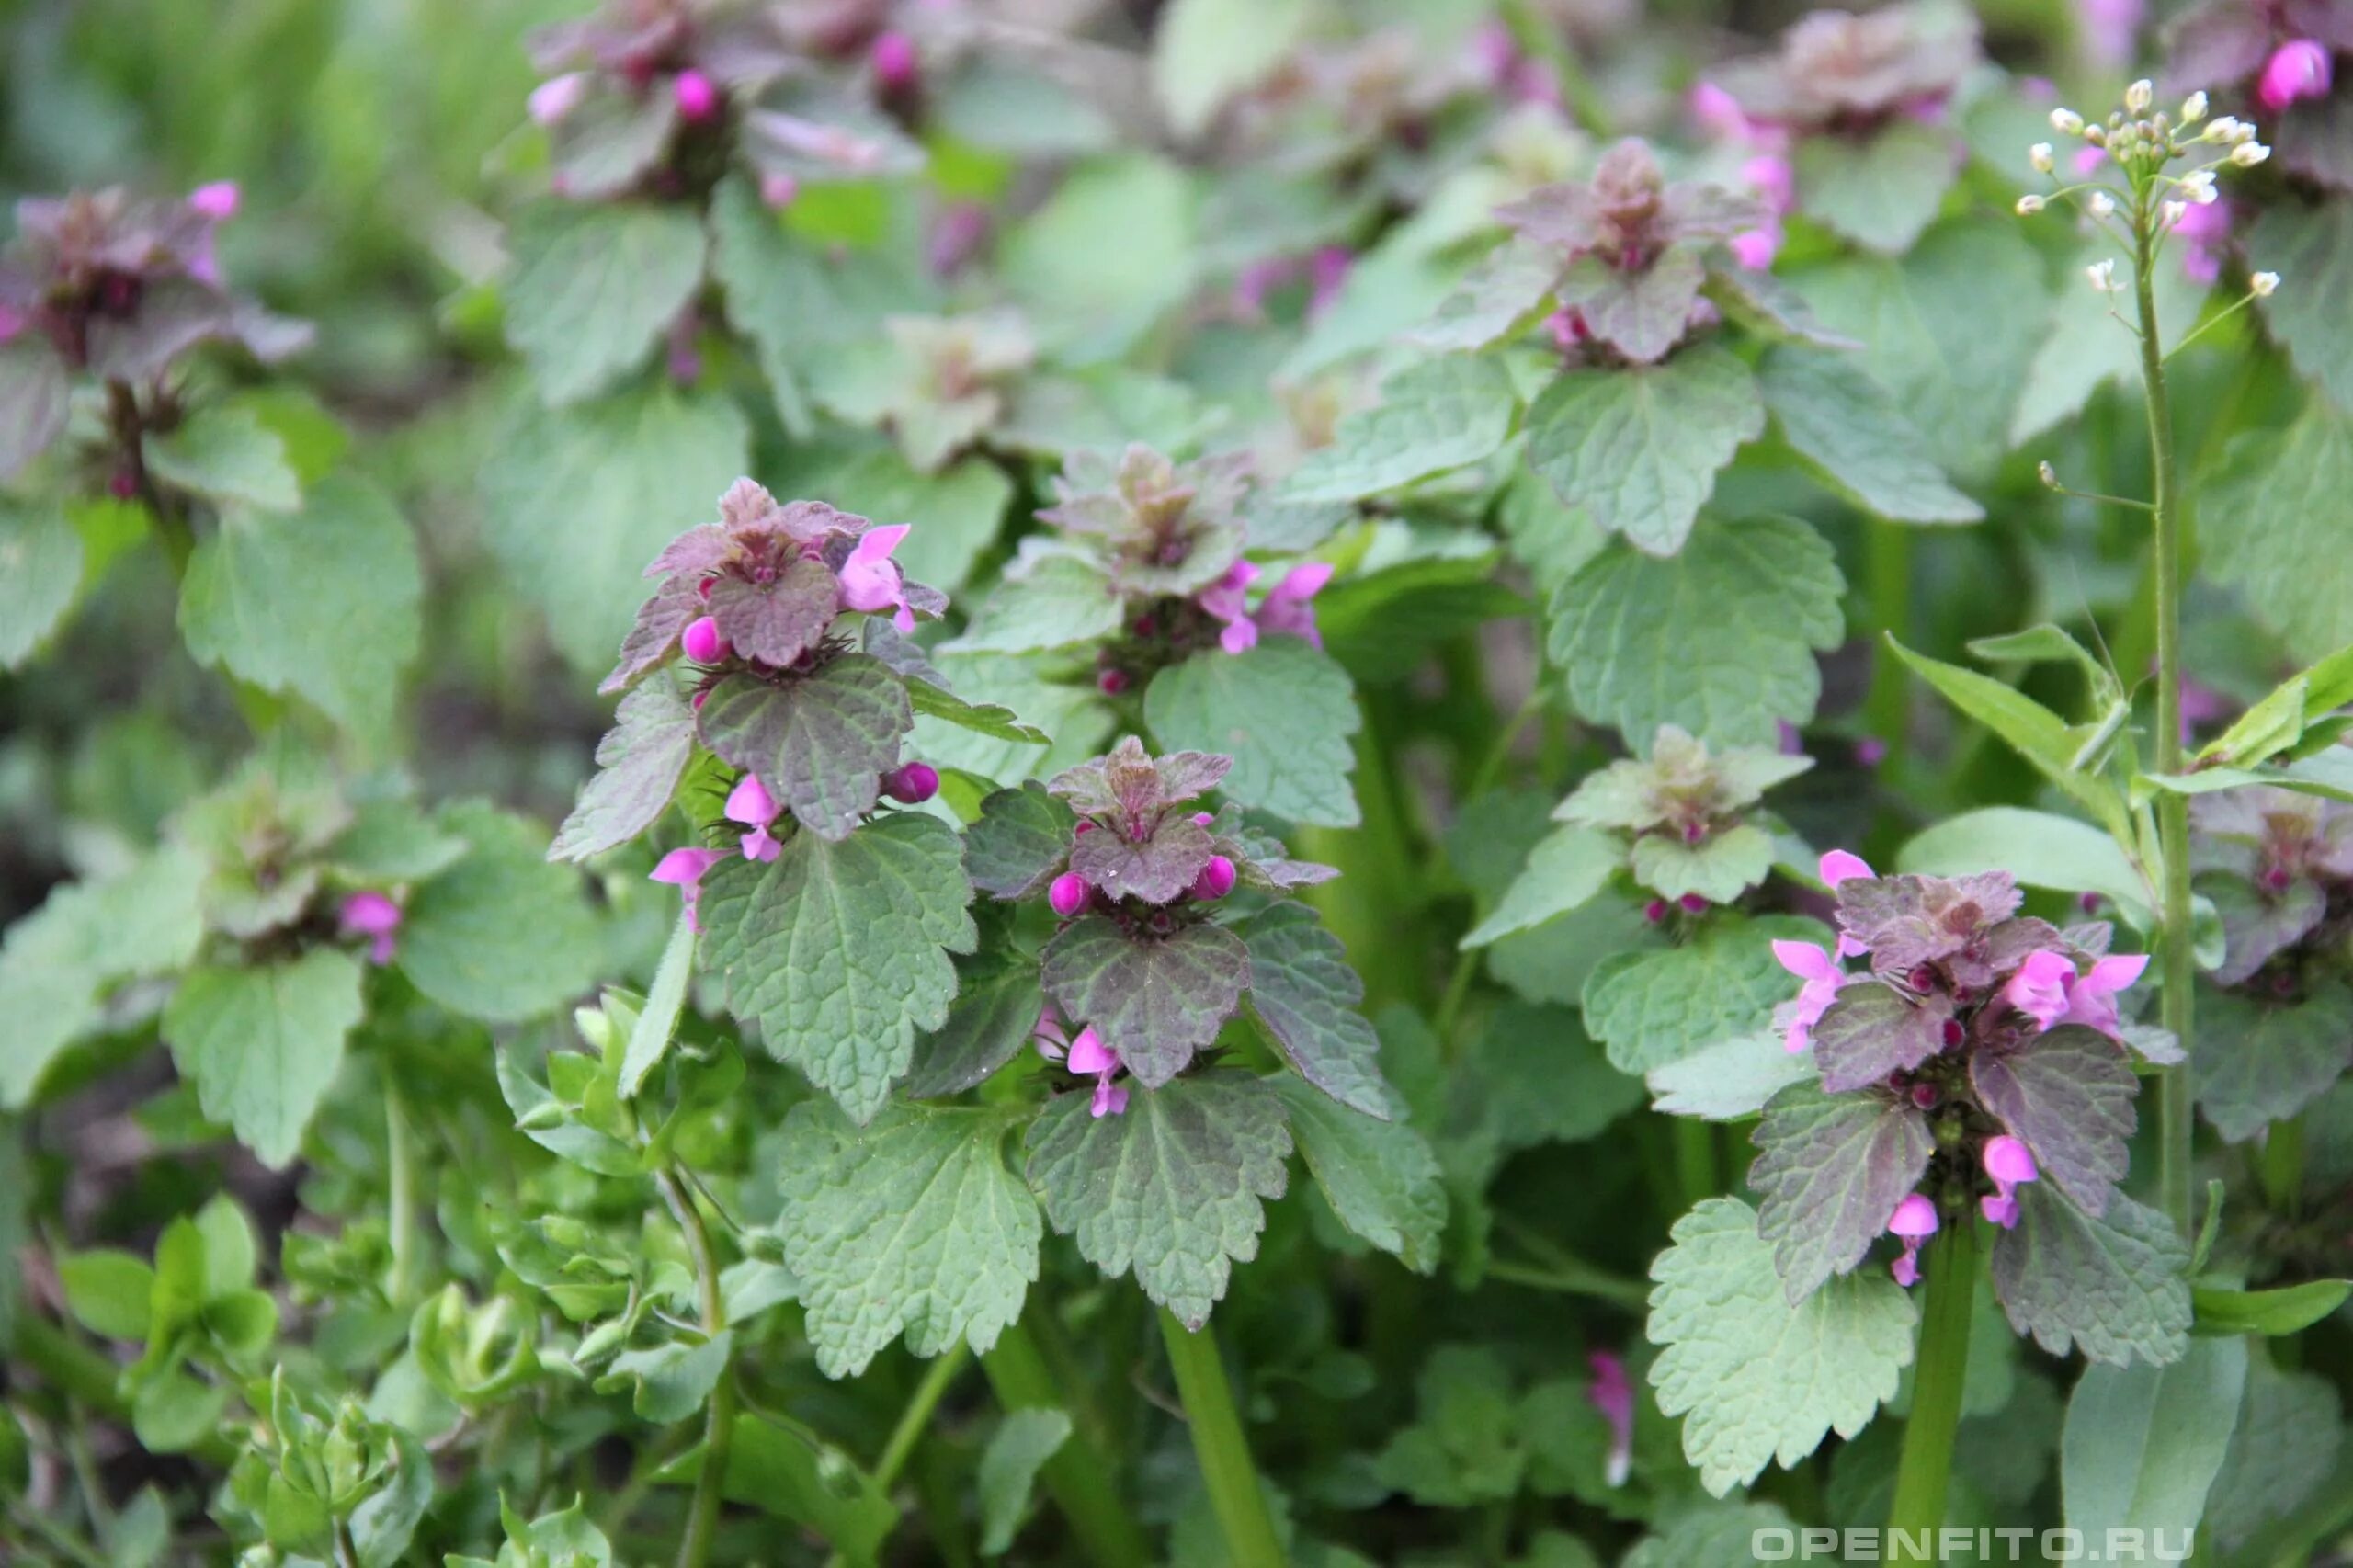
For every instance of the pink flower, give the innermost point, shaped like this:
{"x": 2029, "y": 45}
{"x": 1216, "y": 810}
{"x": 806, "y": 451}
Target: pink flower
{"x": 750, "y": 803}
{"x": 2297, "y": 69}
{"x": 1719, "y": 113}
{"x": 1067, "y": 894}
{"x": 1871, "y": 751}
{"x": 894, "y": 59}
{"x": 1840, "y": 866}
{"x": 1823, "y": 978}
{"x": 217, "y": 200}
{"x": 1289, "y": 608}
{"x": 2087, "y": 160}
{"x": 374, "y": 915}
{"x": 684, "y": 869}
{"x": 1327, "y": 269}
{"x": 703, "y": 643}
{"x": 2039, "y": 987}
{"x": 1216, "y": 880}
{"x": 1913, "y": 1221}
{"x": 779, "y": 191}
{"x": 872, "y": 581}
{"x": 1567, "y": 328}
{"x": 557, "y": 96}
{"x": 1088, "y": 1054}
{"x": 1609, "y": 1392}
{"x": 2010, "y": 1163}
{"x": 1768, "y": 176}
{"x": 697, "y": 99}
{"x": 2091, "y": 1000}
{"x": 1755, "y": 250}
{"x": 1226, "y": 600}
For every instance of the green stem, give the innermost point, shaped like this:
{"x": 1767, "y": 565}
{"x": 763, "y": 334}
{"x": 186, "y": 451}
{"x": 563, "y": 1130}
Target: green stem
{"x": 1219, "y": 1444}
{"x": 80, "y": 1373}
{"x": 1888, "y": 562}
{"x": 347, "y": 1551}
{"x": 2174, "y": 1091}
{"x": 1695, "y": 1160}
{"x": 400, "y": 1175}
{"x": 719, "y": 1427}
{"x": 2283, "y": 1167}
{"x": 1941, "y": 1368}
{"x": 1581, "y": 1280}
{"x": 915, "y": 1420}
{"x": 1082, "y": 1486}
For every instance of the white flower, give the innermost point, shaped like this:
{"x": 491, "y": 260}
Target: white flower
{"x": 2048, "y": 475}
{"x": 2197, "y": 185}
{"x": 2246, "y": 154}
{"x": 2029, "y": 205}
{"x": 2102, "y": 205}
{"x": 2140, "y": 95}
{"x": 2102, "y": 275}
{"x": 2039, "y": 156}
{"x": 2193, "y": 109}
{"x": 2067, "y": 121}
{"x": 2263, "y": 284}
{"x": 2220, "y": 130}
{"x": 2174, "y": 212}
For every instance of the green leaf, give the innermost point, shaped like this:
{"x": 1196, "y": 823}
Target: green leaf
{"x": 820, "y": 741}
{"x": 1568, "y": 867}
{"x": 657, "y": 1021}
{"x": 382, "y": 1527}
{"x": 2040, "y": 850}
{"x": 2282, "y": 1450}
{"x": 2310, "y": 246}
{"x": 41, "y": 572}
{"x": 1305, "y": 993}
{"x": 576, "y": 501}
{"x": 225, "y": 453}
{"x": 1439, "y": 415}
{"x": 1156, "y": 1000}
{"x": 1829, "y": 1171}
{"x": 1729, "y": 1081}
{"x": 501, "y": 935}
{"x": 1205, "y": 52}
{"x": 323, "y": 603}
{"x": 2143, "y": 1444}
{"x": 1638, "y": 447}
{"x": 1169, "y": 1189}
{"x": 1880, "y": 191}
{"x": 1719, "y": 867}
{"x": 1052, "y": 601}
{"x": 1533, "y": 1077}
{"x": 638, "y": 764}
{"x": 1851, "y": 436}
{"x": 1653, "y": 1007}
{"x": 783, "y": 1474}
{"x": 775, "y": 294}
{"x": 1755, "y": 1377}
{"x": 108, "y": 1292}
{"x": 996, "y": 1012}
{"x": 36, "y": 395}
{"x": 1705, "y": 1535}
{"x": 393, "y": 840}
{"x": 2291, "y": 1309}
{"x": 2067, "y": 1096}
{"x": 1283, "y": 710}
{"x": 2033, "y": 731}
{"x": 1091, "y": 303}
{"x": 262, "y": 1045}
{"x": 1640, "y": 312}
{"x": 1463, "y": 1448}
{"x": 1771, "y": 309}
{"x": 1017, "y": 1450}
{"x": 592, "y": 284}
{"x": 1949, "y": 331}
{"x": 838, "y": 951}
{"x": 1380, "y": 1176}
{"x": 2112, "y": 1287}
{"x": 2270, "y": 526}
{"x": 58, "y": 961}
{"x": 1721, "y": 640}
{"x": 910, "y": 1223}
{"x": 672, "y": 1380}
{"x": 1022, "y": 838}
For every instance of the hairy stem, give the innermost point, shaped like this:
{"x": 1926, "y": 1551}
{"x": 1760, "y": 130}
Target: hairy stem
{"x": 1940, "y": 1370}
{"x": 1221, "y": 1447}
{"x": 2174, "y": 1128}
{"x": 718, "y": 1430}
{"x": 1083, "y": 1486}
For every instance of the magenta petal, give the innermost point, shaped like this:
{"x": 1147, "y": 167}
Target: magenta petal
{"x": 1914, "y": 1218}
{"x": 1089, "y": 1054}
{"x": 685, "y": 868}
{"x": 1840, "y": 866}
{"x": 1804, "y": 960}
{"x": 750, "y": 803}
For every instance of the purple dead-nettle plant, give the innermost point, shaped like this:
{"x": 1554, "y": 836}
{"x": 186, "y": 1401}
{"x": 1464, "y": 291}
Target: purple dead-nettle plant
{"x": 1686, "y": 817}
{"x": 946, "y": 383}
{"x": 114, "y": 290}
{"x": 2284, "y": 61}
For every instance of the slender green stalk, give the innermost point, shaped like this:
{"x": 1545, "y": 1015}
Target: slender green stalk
{"x": 718, "y": 1428}
{"x": 1578, "y": 1280}
{"x": 915, "y": 1420}
{"x": 1219, "y": 1444}
{"x": 2174, "y": 1092}
{"x": 83, "y": 1374}
{"x": 1887, "y": 552}
{"x": 1082, "y": 1484}
{"x": 1940, "y": 1370}
{"x": 1695, "y": 1160}
{"x": 2283, "y": 1167}
{"x": 347, "y": 1551}
{"x": 400, "y": 1175}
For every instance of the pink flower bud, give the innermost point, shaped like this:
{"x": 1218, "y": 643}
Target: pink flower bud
{"x": 779, "y": 191}
{"x": 1654, "y": 911}
{"x": 1693, "y": 903}
{"x": 1203, "y": 818}
{"x": 912, "y": 785}
{"x": 217, "y": 200}
{"x": 123, "y": 484}
{"x": 703, "y": 643}
{"x": 2297, "y": 69}
{"x": 697, "y": 99}
{"x": 1216, "y": 880}
{"x": 894, "y": 59}
{"x": 1111, "y": 683}
{"x": 1915, "y": 1219}
{"x": 1067, "y": 894}
{"x": 1839, "y": 865}
{"x": 557, "y": 96}
{"x": 1753, "y": 251}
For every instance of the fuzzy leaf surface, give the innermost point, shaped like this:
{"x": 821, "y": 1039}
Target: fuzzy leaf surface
{"x": 1155, "y": 1000}
{"x": 262, "y": 1045}
{"x": 1638, "y": 447}
{"x": 1283, "y": 710}
{"x": 2067, "y": 1096}
{"x": 638, "y": 764}
{"x": 1829, "y": 1171}
{"x": 819, "y": 742}
{"x": 1305, "y": 992}
{"x": 2111, "y": 1286}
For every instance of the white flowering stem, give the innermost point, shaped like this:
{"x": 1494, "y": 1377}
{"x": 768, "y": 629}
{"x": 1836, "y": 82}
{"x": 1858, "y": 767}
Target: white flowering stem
{"x": 1948, "y": 1267}
{"x": 1223, "y": 1452}
{"x": 2179, "y": 973}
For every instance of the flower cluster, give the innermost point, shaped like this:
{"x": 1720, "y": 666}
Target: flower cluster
{"x": 1846, "y": 73}
{"x": 1960, "y": 997}
{"x": 644, "y": 98}
{"x": 119, "y": 288}
{"x": 1684, "y": 809}
{"x": 2279, "y": 866}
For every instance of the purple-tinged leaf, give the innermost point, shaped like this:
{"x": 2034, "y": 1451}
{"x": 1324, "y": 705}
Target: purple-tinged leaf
{"x": 1153, "y": 999}
{"x": 2067, "y": 1096}
{"x": 995, "y": 1014}
{"x": 1907, "y": 921}
{"x": 1156, "y": 868}
{"x": 1019, "y": 842}
{"x": 2257, "y": 924}
{"x": 1830, "y": 1170}
{"x": 674, "y": 605}
{"x": 34, "y": 395}
{"x": 2114, "y": 1287}
{"x": 1643, "y": 314}
{"x": 1305, "y": 992}
{"x": 639, "y": 762}
{"x": 777, "y": 622}
{"x": 1873, "y": 1030}
{"x": 820, "y": 741}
